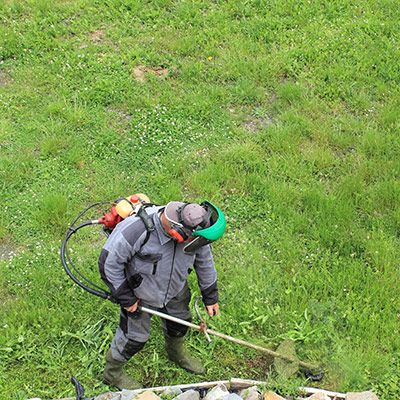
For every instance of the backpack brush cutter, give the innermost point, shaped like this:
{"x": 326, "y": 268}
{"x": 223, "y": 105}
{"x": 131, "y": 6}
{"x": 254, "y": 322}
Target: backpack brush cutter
{"x": 285, "y": 360}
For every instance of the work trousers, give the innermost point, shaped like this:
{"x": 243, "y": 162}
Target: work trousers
{"x": 134, "y": 328}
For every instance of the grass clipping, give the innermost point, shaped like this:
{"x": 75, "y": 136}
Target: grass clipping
{"x": 285, "y": 368}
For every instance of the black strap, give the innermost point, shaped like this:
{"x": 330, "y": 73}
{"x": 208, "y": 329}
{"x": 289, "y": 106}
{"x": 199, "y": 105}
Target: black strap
{"x": 147, "y": 222}
{"x": 135, "y": 280}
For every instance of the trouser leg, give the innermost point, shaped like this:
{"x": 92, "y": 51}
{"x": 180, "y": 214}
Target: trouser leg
{"x": 131, "y": 335}
{"x": 178, "y": 307}
{"x": 174, "y": 332}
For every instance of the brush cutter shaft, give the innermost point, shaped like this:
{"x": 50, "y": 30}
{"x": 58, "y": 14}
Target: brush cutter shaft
{"x": 169, "y": 317}
{"x": 229, "y": 338}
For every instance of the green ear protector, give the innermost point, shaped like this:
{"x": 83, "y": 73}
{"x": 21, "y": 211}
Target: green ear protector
{"x": 213, "y": 232}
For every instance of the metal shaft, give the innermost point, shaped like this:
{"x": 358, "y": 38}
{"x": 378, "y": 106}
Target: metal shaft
{"x": 229, "y": 338}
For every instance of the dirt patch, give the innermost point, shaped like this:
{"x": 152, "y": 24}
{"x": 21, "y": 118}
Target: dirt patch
{"x": 4, "y": 79}
{"x": 6, "y": 296}
{"x": 80, "y": 164}
{"x": 252, "y": 120}
{"x": 119, "y": 120}
{"x": 140, "y": 71}
{"x": 121, "y": 113}
{"x": 254, "y": 124}
{"x": 97, "y": 36}
{"x": 7, "y": 251}
{"x": 203, "y": 153}
{"x": 263, "y": 362}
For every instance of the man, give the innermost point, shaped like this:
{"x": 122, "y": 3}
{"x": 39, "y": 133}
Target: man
{"x": 147, "y": 259}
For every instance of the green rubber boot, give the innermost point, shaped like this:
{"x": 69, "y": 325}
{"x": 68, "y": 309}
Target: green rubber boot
{"x": 113, "y": 374}
{"x": 179, "y": 355}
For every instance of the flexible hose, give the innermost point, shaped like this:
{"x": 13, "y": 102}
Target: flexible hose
{"x": 65, "y": 259}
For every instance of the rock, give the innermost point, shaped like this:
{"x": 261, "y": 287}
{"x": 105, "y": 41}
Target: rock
{"x": 171, "y": 391}
{"x": 132, "y": 395}
{"x": 188, "y": 395}
{"x": 147, "y": 395}
{"x": 231, "y": 396}
{"x": 272, "y": 396}
{"x": 108, "y": 396}
{"x": 362, "y": 396}
{"x": 319, "y": 396}
{"x": 250, "y": 393}
{"x": 126, "y": 395}
{"x": 217, "y": 392}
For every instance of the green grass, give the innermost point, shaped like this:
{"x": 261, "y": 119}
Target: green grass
{"x": 285, "y": 114}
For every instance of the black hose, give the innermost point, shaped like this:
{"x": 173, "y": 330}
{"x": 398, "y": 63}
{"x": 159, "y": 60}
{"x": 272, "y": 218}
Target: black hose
{"x": 84, "y": 211}
{"x": 65, "y": 259}
{"x": 77, "y": 272}
{"x": 80, "y": 391}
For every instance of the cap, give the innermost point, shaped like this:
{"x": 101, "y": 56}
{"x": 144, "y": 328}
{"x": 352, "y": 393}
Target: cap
{"x": 190, "y": 215}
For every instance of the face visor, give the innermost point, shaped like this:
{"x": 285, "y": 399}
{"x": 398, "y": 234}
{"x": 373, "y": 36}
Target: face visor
{"x": 215, "y": 229}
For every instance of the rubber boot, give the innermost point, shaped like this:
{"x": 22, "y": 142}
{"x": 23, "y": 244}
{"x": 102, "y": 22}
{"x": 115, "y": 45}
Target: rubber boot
{"x": 178, "y": 353}
{"x": 113, "y": 374}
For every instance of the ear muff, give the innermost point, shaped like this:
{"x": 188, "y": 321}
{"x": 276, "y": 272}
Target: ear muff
{"x": 178, "y": 234}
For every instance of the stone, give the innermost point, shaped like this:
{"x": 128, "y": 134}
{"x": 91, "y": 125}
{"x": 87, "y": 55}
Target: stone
{"x": 231, "y": 396}
{"x": 188, "y": 395}
{"x": 250, "y": 393}
{"x": 362, "y": 396}
{"x": 217, "y": 392}
{"x": 171, "y": 391}
{"x": 132, "y": 395}
{"x": 108, "y": 396}
{"x": 272, "y": 396}
{"x": 319, "y": 396}
{"x": 147, "y": 395}
{"x": 127, "y": 395}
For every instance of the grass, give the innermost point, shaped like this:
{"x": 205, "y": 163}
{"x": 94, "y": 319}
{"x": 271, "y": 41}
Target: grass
{"x": 285, "y": 114}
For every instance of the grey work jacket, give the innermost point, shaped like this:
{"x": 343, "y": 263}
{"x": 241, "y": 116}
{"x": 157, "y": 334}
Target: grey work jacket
{"x": 156, "y": 271}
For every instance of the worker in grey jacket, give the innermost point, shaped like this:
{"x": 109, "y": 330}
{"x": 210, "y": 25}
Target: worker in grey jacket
{"x": 149, "y": 262}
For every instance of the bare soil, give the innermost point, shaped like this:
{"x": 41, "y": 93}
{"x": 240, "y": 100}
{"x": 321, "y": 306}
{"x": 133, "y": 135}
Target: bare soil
{"x": 4, "y": 79}
{"x": 97, "y": 36}
{"x": 254, "y": 124}
{"x": 7, "y": 251}
{"x": 121, "y": 113}
{"x": 140, "y": 71}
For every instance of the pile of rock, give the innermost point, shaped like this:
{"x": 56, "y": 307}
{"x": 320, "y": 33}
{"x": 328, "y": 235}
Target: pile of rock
{"x": 233, "y": 389}
{"x": 221, "y": 392}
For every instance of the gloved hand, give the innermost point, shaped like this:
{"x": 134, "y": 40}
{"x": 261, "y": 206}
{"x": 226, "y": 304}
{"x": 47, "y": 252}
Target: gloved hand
{"x": 213, "y": 309}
